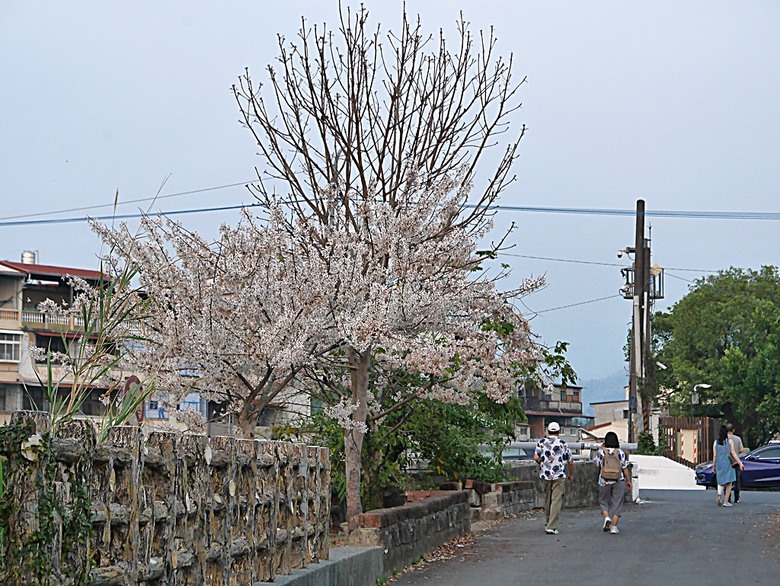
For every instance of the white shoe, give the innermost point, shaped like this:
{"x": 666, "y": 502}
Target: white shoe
{"x": 607, "y": 524}
{"x": 552, "y": 531}
{"x": 614, "y": 530}
{"x": 727, "y": 504}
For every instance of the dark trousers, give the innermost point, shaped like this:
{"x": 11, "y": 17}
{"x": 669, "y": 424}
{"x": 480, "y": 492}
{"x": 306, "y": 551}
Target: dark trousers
{"x": 735, "y": 487}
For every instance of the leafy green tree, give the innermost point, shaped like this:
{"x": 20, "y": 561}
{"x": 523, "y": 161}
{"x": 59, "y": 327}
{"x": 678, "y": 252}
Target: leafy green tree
{"x": 726, "y": 333}
{"x": 457, "y": 442}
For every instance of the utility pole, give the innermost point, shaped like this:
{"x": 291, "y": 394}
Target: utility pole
{"x": 637, "y": 329}
{"x": 643, "y": 285}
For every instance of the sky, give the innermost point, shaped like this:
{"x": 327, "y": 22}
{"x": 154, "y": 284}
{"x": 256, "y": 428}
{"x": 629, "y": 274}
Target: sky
{"x": 671, "y": 102}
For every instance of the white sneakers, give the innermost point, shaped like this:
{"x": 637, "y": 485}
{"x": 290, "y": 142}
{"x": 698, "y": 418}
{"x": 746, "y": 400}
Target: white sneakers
{"x": 607, "y": 524}
{"x": 614, "y": 530}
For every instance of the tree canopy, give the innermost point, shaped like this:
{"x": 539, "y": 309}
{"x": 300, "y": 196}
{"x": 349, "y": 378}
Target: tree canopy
{"x": 726, "y": 333}
{"x": 372, "y": 142}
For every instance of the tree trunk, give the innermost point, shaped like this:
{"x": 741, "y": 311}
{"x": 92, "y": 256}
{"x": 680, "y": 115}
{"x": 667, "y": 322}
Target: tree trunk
{"x": 247, "y": 420}
{"x": 359, "y": 363}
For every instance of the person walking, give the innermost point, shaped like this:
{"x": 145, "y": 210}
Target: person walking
{"x": 739, "y": 448}
{"x": 553, "y": 454}
{"x": 724, "y": 473}
{"x": 614, "y": 480}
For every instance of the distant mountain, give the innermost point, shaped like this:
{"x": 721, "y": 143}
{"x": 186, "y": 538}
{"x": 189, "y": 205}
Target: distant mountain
{"x": 609, "y": 388}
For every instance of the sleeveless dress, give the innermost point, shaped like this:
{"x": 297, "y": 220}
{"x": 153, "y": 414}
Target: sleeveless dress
{"x": 723, "y": 470}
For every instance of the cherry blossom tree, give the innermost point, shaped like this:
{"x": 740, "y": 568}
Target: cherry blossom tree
{"x": 373, "y": 142}
{"x": 234, "y": 320}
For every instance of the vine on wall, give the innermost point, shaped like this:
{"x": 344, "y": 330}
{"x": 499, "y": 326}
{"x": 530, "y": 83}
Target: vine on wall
{"x": 44, "y": 534}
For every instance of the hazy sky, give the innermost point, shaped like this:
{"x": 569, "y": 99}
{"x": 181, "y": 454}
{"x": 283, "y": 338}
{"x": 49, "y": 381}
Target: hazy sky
{"x": 673, "y": 102}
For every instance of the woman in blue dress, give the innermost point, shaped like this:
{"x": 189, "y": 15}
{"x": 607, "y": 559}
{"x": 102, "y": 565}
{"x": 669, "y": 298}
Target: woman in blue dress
{"x": 725, "y": 474}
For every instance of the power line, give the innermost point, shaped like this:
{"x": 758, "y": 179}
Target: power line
{"x": 125, "y": 216}
{"x": 576, "y": 304}
{"x": 589, "y": 262}
{"x": 128, "y": 202}
{"x": 681, "y": 214}
{"x": 568, "y": 260}
{"x": 684, "y": 214}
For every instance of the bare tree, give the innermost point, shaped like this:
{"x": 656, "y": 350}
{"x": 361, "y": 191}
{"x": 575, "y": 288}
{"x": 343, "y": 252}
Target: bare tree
{"x": 373, "y": 142}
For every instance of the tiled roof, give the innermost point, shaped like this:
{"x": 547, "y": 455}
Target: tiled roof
{"x": 35, "y": 270}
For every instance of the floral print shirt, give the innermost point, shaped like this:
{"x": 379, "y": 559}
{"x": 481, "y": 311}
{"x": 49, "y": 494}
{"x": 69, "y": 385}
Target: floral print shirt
{"x": 553, "y": 455}
{"x": 599, "y": 458}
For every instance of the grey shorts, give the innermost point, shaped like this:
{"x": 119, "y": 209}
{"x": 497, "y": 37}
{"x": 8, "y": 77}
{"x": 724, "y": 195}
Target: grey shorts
{"x": 611, "y": 497}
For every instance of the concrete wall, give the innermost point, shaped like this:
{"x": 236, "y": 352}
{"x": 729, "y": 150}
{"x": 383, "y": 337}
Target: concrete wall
{"x": 163, "y": 509}
{"x": 406, "y": 533}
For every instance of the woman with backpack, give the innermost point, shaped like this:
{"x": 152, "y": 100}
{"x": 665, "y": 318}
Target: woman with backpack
{"x": 614, "y": 480}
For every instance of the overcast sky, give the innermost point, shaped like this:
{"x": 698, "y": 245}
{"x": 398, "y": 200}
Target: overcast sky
{"x": 673, "y": 102}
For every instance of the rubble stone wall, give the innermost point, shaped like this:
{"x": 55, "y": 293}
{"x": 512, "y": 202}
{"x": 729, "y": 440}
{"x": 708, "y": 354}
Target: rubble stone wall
{"x": 158, "y": 509}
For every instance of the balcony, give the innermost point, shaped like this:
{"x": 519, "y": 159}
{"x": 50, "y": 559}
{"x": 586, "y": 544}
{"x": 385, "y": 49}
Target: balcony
{"x": 536, "y": 404}
{"x": 36, "y": 320}
{"x": 9, "y": 319}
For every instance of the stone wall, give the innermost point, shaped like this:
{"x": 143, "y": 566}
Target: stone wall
{"x": 408, "y": 532}
{"x": 158, "y": 509}
{"x": 492, "y": 501}
{"x": 583, "y": 491}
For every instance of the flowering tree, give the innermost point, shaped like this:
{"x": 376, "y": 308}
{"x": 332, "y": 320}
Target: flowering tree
{"x": 375, "y": 144}
{"x": 233, "y": 320}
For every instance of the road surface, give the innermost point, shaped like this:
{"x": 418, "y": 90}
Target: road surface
{"x": 675, "y": 537}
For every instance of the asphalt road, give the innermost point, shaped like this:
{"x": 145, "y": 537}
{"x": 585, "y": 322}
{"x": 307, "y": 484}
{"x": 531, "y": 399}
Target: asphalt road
{"x": 675, "y": 537}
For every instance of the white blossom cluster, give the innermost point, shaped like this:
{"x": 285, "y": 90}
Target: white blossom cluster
{"x": 246, "y": 313}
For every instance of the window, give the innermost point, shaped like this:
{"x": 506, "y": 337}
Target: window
{"x": 3, "y": 400}
{"x": 54, "y": 343}
{"x": 92, "y": 404}
{"x": 193, "y": 403}
{"x": 32, "y": 399}
{"x": 769, "y": 454}
{"x": 156, "y": 407}
{"x": 563, "y": 395}
{"x": 10, "y": 346}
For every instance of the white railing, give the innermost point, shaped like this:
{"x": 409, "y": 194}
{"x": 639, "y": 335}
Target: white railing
{"x": 38, "y": 319}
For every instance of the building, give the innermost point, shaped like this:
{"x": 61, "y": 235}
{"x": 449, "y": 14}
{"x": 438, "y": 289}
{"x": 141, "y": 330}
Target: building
{"x": 23, "y": 287}
{"x": 562, "y": 404}
{"x": 610, "y": 416}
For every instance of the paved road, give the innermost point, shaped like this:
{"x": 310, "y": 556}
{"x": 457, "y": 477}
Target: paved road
{"x": 675, "y": 537}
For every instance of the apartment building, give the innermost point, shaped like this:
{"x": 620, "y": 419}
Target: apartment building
{"x": 23, "y": 286}
{"x": 560, "y": 404}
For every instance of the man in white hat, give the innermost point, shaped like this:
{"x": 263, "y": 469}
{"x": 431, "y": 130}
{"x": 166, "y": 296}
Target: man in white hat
{"x": 553, "y": 455}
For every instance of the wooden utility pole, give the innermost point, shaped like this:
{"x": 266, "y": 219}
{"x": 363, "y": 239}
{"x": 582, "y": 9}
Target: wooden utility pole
{"x": 643, "y": 286}
{"x": 636, "y": 351}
